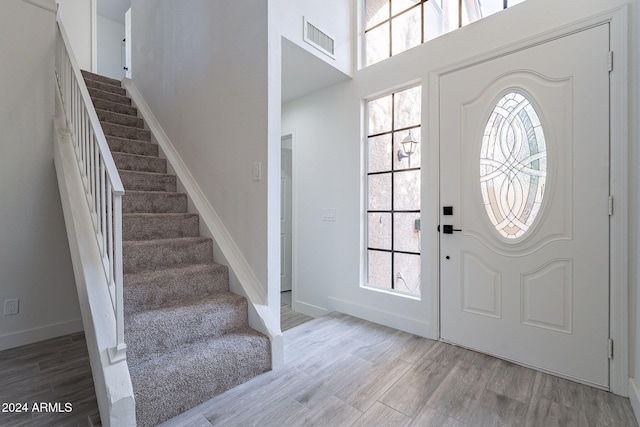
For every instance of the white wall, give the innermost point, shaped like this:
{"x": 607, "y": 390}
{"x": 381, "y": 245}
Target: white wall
{"x": 634, "y": 202}
{"x": 202, "y": 68}
{"x": 78, "y": 22}
{"x": 35, "y": 264}
{"x": 333, "y": 17}
{"x": 110, "y": 35}
{"x": 328, "y": 161}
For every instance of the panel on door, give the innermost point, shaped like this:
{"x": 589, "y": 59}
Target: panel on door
{"x": 524, "y": 162}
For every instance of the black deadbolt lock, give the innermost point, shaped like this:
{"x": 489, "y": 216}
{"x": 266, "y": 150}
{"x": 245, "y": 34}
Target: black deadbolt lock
{"x": 447, "y": 210}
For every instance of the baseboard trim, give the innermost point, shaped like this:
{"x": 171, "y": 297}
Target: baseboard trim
{"x": 375, "y": 315}
{"x": 42, "y": 333}
{"x": 47, "y": 5}
{"x": 309, "y": 309}
{"x": 634, "y": 397}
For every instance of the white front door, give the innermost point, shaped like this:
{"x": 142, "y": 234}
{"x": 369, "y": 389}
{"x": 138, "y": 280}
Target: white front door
{"x": 524, "y": 178}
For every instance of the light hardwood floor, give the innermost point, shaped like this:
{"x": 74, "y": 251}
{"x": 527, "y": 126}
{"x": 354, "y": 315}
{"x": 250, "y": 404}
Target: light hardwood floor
{"x": 343, "y": 371}
{"x": 290, "y": 319}
{"x": 339, "y": 371}
{"x": 54, "y": 371}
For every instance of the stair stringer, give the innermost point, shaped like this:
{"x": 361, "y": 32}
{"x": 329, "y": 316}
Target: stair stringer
{"x": 242, "y": 279}
{"x": 112, "y": 382}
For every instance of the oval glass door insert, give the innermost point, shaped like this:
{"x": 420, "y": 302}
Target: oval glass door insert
{"x": 513, "y": 165}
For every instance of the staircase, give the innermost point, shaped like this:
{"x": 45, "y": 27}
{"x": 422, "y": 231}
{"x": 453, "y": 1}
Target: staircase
{"x": 188, "y": 337}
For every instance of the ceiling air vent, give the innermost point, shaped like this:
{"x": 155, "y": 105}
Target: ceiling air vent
{"x": 318, "y": 39}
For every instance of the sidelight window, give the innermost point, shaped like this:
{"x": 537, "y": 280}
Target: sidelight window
{"x": 393, "y": 191}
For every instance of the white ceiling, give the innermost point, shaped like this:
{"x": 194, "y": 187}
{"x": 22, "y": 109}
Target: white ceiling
{"x": 113, "y": 9}
{"x": 303, "y": 72}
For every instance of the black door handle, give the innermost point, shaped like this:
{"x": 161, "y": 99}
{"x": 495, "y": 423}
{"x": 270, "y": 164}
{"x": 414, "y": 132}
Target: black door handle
{"x": 448, "y": 229}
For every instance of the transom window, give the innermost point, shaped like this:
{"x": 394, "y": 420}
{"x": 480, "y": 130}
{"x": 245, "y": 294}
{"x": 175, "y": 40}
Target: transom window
{"x": 393, "y": 26}
{"x": 393, "y": 191}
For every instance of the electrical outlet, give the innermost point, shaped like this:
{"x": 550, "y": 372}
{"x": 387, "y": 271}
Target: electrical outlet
{"x": 11, "y": 306}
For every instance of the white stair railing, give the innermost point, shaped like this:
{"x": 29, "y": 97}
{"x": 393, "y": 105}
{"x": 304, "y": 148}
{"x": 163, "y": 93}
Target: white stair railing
{"x": 102, "y": 184}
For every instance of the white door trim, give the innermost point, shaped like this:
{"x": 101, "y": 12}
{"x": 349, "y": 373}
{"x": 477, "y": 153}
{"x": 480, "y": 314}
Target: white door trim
{"x": 294, "y": 235}
{"x": 619, "y": 179}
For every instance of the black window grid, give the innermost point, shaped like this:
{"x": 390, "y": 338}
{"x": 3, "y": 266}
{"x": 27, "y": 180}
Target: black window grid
{"x": 420, "y": 4}
{"x": 391, "y": 211}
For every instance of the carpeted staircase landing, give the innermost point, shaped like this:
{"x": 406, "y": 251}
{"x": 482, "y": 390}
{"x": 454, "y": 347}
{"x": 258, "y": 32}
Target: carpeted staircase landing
{"x": 187, "y": 336}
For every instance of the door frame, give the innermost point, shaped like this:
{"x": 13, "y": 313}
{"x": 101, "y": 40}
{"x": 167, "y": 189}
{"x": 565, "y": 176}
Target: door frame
{"x": 294, "y": 235}
{"x": 619, "y": 174}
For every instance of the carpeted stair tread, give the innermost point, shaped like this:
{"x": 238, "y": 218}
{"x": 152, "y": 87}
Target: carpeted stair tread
{"x": 108, "y": 96}
{"x": 150, "y": 226}
{"x": 127, "y": 132}
{"x": 179, "y": 380}
{"x": 132, "y": 146}
{"x": 106, "y": 87}
{"x": 140, "y": 255}
{"x": 102, "y": 104}
{"x": 154, "y": 202}
{"x": 188, "y": 337}
{"x": 119, "y": 119}
{"x": 151, "y": 333}
{"x": 104, "y": 79}
{"x": 139, "y": 163}
{"x": 154, "y": 288}
{"x": 148, "y": 181}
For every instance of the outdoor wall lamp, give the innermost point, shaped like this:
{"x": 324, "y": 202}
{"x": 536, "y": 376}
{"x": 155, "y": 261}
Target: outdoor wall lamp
{"x": 409, "y": 145}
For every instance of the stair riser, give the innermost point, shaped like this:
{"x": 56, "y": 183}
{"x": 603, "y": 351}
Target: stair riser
{"x": 120, "y": 119}
{"x": 140, "y": 163}
{"x": 160, "y": 331}
{"x": 164, "y": 254}
{"x": 103, "y": 79}
{"x": 147, "y": 290}
{"x": 118, "y": 90}
{"x": 108, "y": 96}
{"x": 130, "y": 146}
{"x": 222, "y": 364}
{"x": 145, "y": 227}
{"x": 101, "y": 104}
{"x": 154, "y": 203}
{"x": 126, "y": 132}
{"x": 140, "y": 181}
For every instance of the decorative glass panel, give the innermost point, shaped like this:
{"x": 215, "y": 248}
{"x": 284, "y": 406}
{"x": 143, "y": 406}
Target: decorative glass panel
{"x": 513, "y": 165}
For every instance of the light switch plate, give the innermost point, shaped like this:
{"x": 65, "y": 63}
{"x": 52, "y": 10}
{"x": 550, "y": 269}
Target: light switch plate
{"x": 329, "y": 214}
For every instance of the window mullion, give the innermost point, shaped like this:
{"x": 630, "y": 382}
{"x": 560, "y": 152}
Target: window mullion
{"x": 393, "y": 171}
